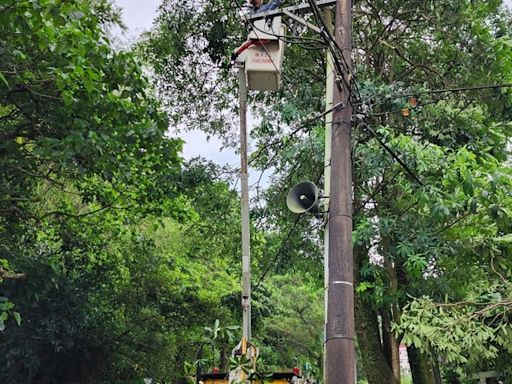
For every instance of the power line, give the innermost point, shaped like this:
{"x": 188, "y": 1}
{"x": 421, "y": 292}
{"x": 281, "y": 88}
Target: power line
{"x": 423, "y": 104}
{"x": 386, "y": 96}
{"x": 329, "y": 40}
{"x": 393, "y": 154}
{"x": 348, "y": 79}
{"x": 278, "y": 254}
{"x": 343, "y": 69}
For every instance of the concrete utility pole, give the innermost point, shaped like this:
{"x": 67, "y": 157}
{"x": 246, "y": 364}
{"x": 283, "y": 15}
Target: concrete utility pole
{"x": 339, "y": 343}
{"x": 244, "y": 181}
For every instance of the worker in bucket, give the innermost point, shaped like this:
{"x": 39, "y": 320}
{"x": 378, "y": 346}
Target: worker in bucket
{"x": 270, "y": 6}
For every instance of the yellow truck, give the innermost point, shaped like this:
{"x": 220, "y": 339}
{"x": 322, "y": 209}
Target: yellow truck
{"x": 223, "y": 378}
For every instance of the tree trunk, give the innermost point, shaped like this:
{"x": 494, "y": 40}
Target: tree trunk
{"x": 389, "y": 340}
{"x": 437, "y": 373}
{"x": 391, "y": 345}
{"x": 421, "y": 367}
{"x": 375, "y": 365}
{"x": 223, "y": 365}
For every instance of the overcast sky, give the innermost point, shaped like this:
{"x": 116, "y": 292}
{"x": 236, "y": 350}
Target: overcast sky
{"x": 138, "y": 16}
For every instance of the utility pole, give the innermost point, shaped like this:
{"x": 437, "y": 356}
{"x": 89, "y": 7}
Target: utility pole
{"x": 339, "y": 343}
{"x": 244, "y": 181}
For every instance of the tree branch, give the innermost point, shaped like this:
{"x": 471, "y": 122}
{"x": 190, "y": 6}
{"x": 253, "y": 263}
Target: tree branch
{"x": 6, "y": 275}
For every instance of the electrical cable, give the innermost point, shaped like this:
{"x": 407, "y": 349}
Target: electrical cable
{"x": 392, "y": 153}
{"x": 298, "y": 127}
{"x": 327, "y": 36}
{"x": 354, "y": 92}
{"x": 386, "y": 96}
{"x": 308, "y": 43}
{"x": 343, "y": 68}
{"x": 342, "y": 65}
{"x": 350, "y": 87}
{"x": 285, "y": 38}
{"x": 278, "y": 254}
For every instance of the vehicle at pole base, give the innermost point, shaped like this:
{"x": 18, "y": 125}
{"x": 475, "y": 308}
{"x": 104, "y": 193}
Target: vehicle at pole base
{"x": 244, "y": 370}
{"x": 274, "y": 378}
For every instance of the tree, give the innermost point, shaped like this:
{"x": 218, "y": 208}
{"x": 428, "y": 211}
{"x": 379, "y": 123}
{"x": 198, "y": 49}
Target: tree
{"x": 75, "y": 111}
{"x": 83, "y": 158}
{"x": 443, "y": 138}
{"x": 409, "y": 223}
{"x": 290, "y": 334}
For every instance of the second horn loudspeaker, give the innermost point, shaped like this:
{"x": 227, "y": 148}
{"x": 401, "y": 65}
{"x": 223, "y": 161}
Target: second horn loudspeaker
{"x": 303, "y": 197}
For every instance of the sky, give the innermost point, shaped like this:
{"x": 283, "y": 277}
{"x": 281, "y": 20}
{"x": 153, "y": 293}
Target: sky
{"x": 138, "y": 17}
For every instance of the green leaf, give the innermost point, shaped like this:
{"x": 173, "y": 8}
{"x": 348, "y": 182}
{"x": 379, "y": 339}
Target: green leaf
{"x": 17, "y": 317}
{"x": 2, "y": 77}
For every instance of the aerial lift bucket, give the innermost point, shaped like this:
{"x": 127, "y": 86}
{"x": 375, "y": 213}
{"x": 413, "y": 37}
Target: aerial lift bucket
{"x": 264, "y": 60}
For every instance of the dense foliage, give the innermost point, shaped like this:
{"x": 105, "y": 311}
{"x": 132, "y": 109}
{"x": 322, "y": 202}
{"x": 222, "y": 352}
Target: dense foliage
{"x": 83, "y": 160}
{"x": 119, "y": 261}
